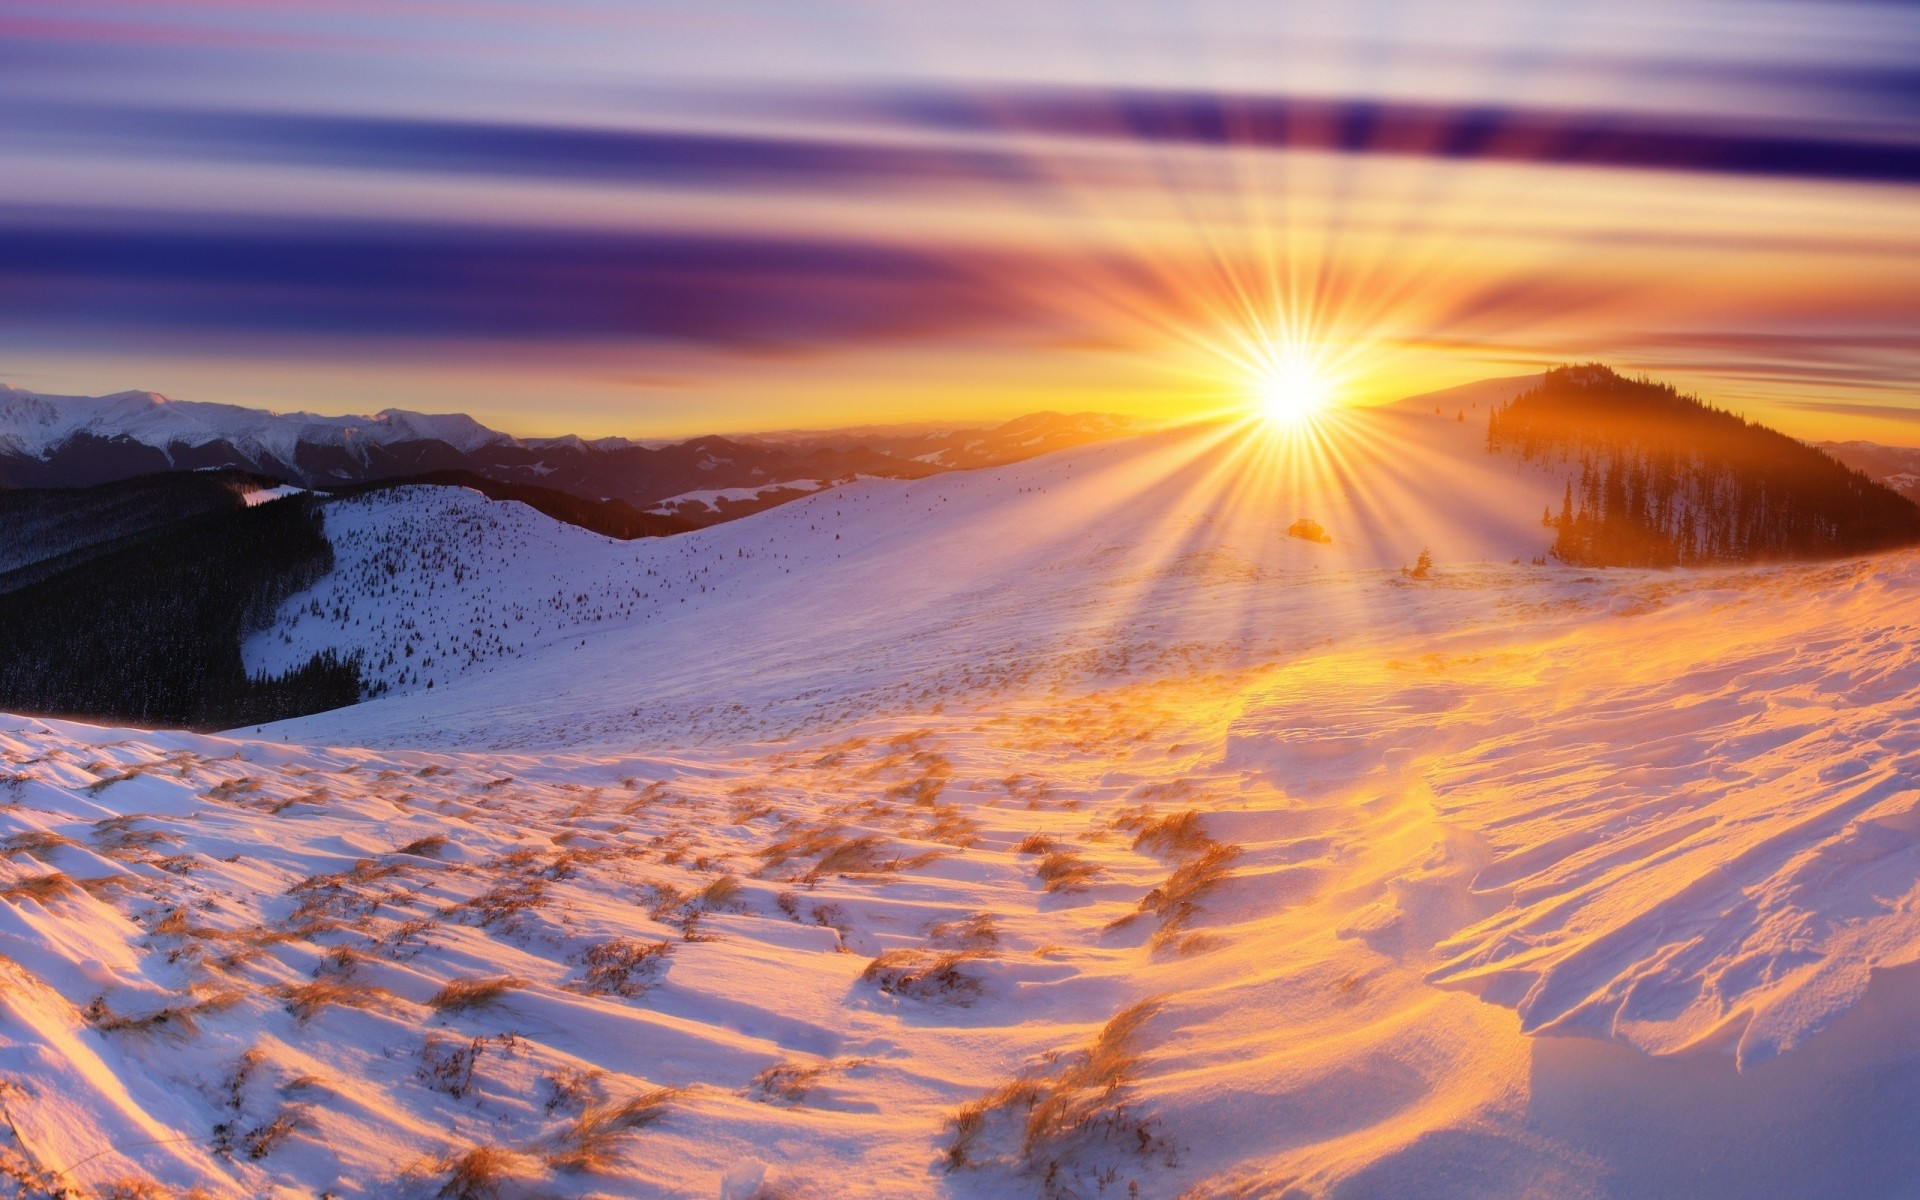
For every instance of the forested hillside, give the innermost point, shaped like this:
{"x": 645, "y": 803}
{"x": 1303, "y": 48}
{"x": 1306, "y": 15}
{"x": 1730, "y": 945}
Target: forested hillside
{"x": 46, "y": 530}
{"x": 612, "y": 518}
{"x": 151, "y": 632}
{"x": 1667, "y": 480}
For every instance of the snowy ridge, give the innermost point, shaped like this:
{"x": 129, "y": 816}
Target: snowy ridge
{"x": 710, "y": 499}
{"x": 34, "y": 424}
{"x": 1051, "y": 558}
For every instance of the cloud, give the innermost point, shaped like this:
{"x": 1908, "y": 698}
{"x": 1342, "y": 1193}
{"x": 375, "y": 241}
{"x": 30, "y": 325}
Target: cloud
{"x": 1541, "y": 136}
{"x": 1009, "y": 118}
{"x": 509, "y": 149}
{"x": 1879, "y": 412}
{"x": 147, "y": 275}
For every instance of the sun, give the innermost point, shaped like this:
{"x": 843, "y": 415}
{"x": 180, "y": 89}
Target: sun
{"x": 1291, "y": 392}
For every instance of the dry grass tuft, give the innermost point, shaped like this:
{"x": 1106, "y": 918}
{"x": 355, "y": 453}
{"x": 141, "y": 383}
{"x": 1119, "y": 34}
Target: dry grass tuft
{"x": 1177, "y": 901}
{"x": 926, "y": 975}
{"x": 129, "y": 1188}
{"x": 799, "y": 840}
{"x": 106, "y": 781}
{"x": 477, "y": 1172}
{"x": 594, "y": 1139}
{"x": 1037, "y": 843}
{"x": 720, "y": 895}
{"x": 40, "y": 842}
{"x": 232, "y": 788}
{"x": 863, "y": 855}
{"x": 571, "y": 1088}
{"x": 464, "y": 995}
{"x": 43, "y": 889}
{"x": 305, "y": 999}
{"x": 426, "y": 847}
{"x": 1065, "y": 871}
{"x": 117, "y": 834}
{"x": 1174, "y": 836}
{"x": 261, "y": 1141}
{"x": 623, "y": 967}
{"x": 975, "y": 931}
{"x": 181, "y": 1019}
{"x": 503, "y": 907}
{"x": 952, "y": 826}
{"x": 102, "y": 886}
{"x": 1039, "y": 1122}
{"x": 446, "y": 1064}
{"x": 789, "y": 1082}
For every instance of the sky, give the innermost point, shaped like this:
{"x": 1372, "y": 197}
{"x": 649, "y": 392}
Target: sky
{"x": 730, "y": 215}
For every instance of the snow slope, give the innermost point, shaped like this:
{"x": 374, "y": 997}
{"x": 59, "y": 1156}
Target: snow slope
{"x": 858, "y": 597}
{"x": 1515, "y": 881}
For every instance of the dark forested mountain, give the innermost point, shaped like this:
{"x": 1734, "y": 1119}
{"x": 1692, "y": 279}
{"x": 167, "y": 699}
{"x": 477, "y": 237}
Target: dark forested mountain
{"x": 150, "y": 632}
{"x": 1664, "y": 479}
{"x": 46, "y": 530}
{"x": 75, "y": 441}
{"x": 613, "y": 518}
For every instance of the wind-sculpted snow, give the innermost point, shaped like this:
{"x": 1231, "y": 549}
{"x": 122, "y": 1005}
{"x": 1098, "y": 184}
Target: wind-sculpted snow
{"x": 1706, "y": 830}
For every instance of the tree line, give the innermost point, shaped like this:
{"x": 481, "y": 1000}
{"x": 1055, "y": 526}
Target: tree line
{"x": 150, "y": 633}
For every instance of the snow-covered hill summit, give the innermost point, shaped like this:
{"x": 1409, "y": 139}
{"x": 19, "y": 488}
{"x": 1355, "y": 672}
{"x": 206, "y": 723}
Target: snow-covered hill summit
{"x": 825, "y": 604}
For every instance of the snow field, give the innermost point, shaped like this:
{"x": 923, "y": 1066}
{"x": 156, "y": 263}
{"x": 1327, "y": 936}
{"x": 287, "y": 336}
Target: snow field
{"x": 1056, "y": 830}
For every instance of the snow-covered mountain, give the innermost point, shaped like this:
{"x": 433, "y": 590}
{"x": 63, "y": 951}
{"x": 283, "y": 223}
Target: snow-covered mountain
{"x": 1057, "y": 829}
{"x": 65, "y": 441}
{"x": 37, "y": 425}
{"x": 1896, "y": 466}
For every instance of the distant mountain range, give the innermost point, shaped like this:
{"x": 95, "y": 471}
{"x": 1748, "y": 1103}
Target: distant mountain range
{"x": 1898, "y": 467}
{"x": 73, "y": 441}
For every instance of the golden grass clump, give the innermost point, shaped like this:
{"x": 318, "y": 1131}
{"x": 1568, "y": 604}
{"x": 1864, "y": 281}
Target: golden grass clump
{"x": 39, "y": 842}
{"x": 477, "y": 1172}
{"x": 926, "y": 975}
{"x": 594, "y": 1139}
{"x": 42, "y": 889}
{"x": 305, "y": 999}
{"x": 1177, "y": 900}
{"x": 720, "y": 895}
{"x": 1035, "y": 1122}
{"x": 863, "y": 855}
{"x": 181, "y": 1019}
{"x": 465, "y": 995}
{"x": 1037, "y": 843}
{"x": 118, "y": 834}
{"x": 975, "y": 931}
{"x": 623, "y": 967}
{"x": 801, "y": 841}
{"x": 789, "y": 1082}
{"x": 262, "y": 1140}
{"x": 1173, "y": 836}
{"x": 1065, "y": 871}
